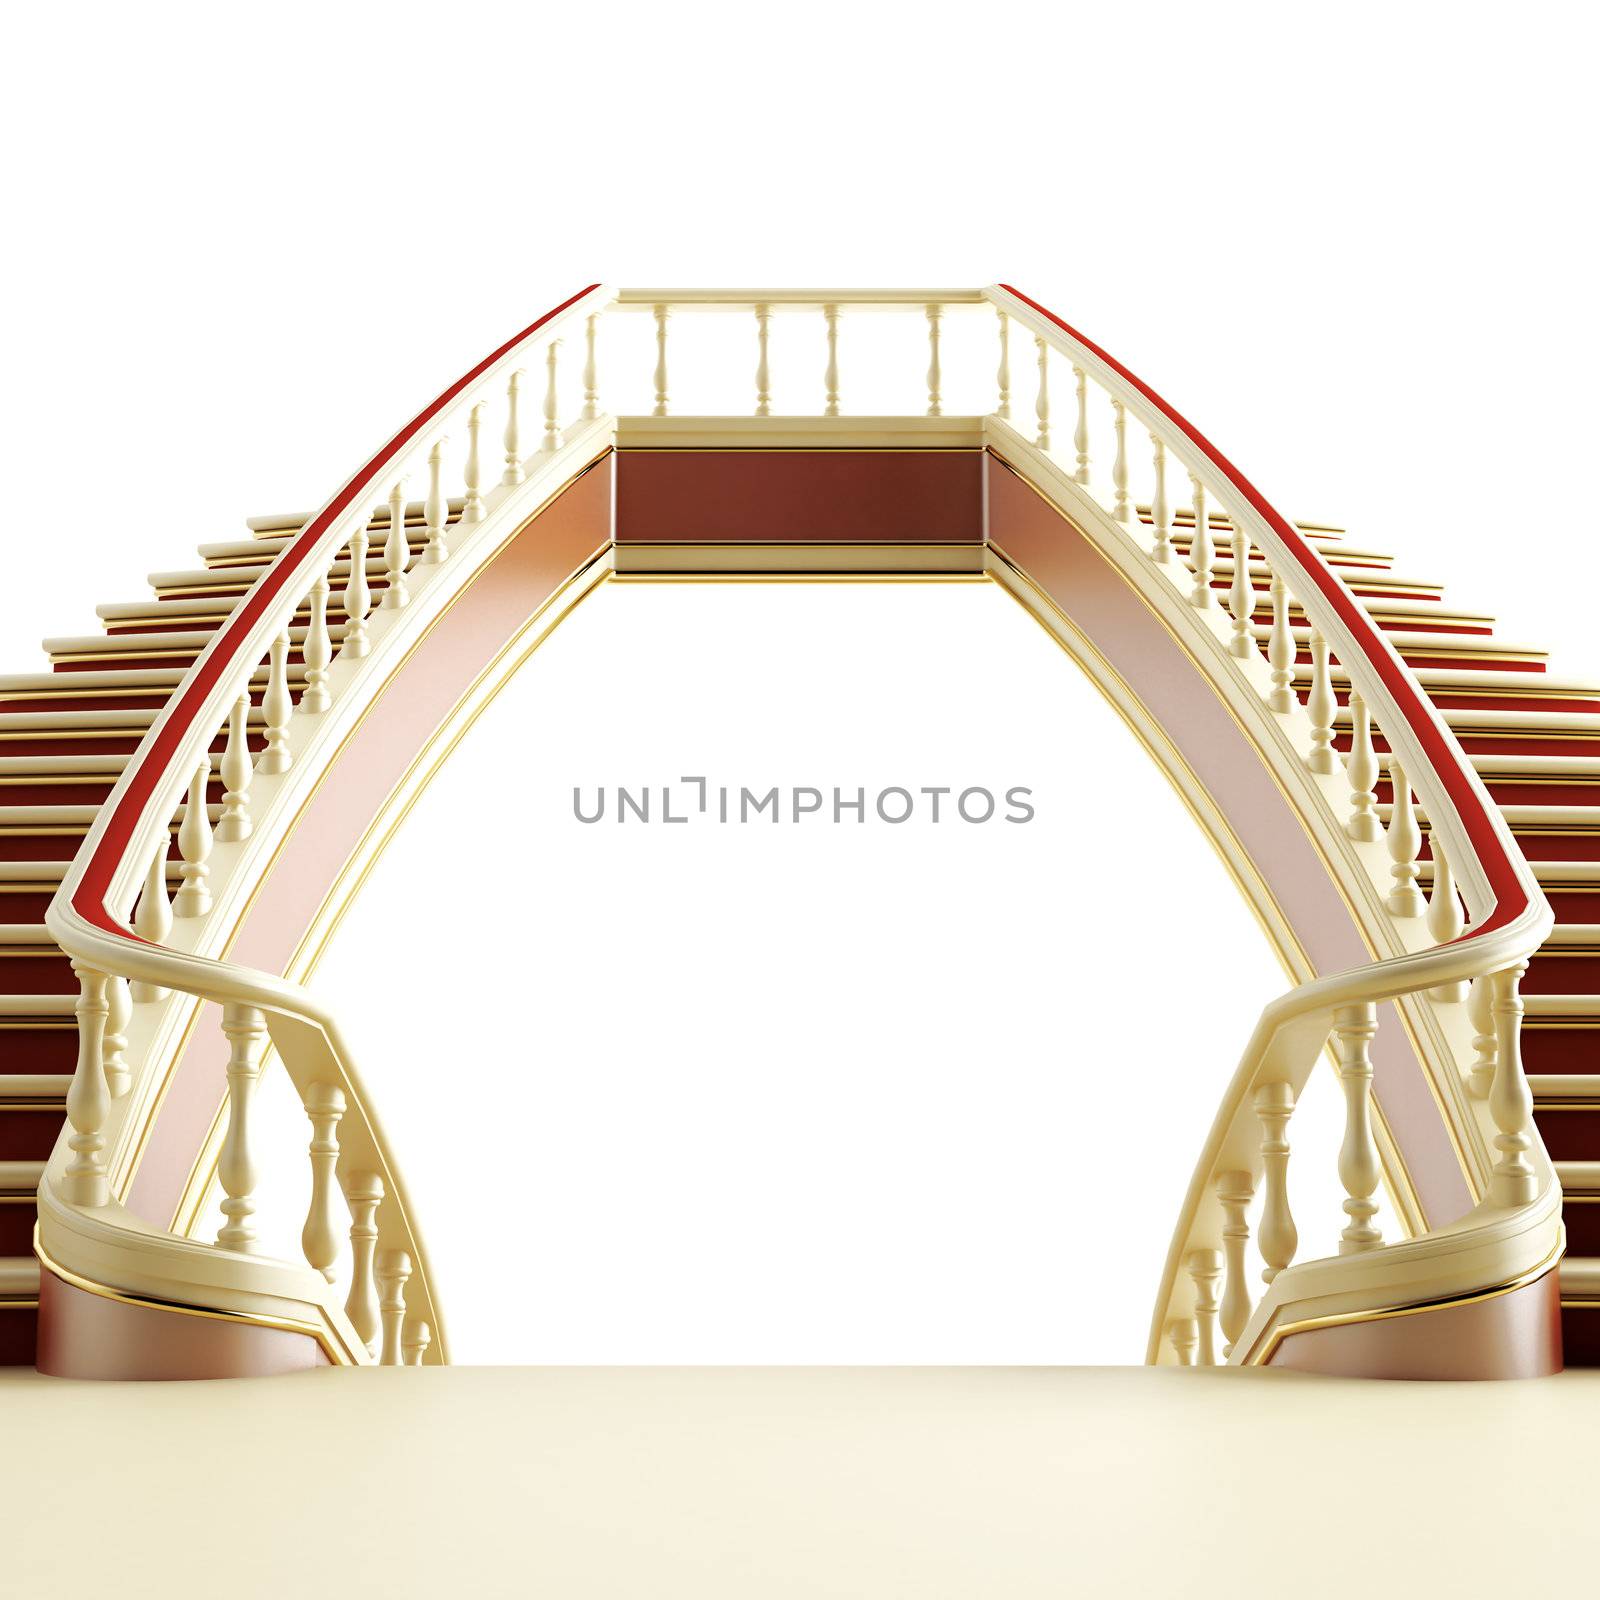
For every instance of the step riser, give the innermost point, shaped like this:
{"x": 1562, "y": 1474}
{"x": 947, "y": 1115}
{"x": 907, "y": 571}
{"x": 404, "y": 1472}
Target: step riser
{"x": 39, "y": 1050}
{"x": 40, "y": 974}
{"x": 16, "y": 1231}
{"x": 19, "y": 1330}
{"x": 1561, "y": 1050}
{"x": 29, "y": 1135}
{"x": 1575, "y": 905}
{"x": 1583, "y": 1227}
{"x": 1570, "y": 1134}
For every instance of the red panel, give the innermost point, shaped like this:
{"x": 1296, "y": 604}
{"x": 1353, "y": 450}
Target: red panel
{"x": 801, "y": 496}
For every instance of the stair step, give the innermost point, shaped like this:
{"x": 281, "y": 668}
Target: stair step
{"x": 19, "y": 1180}
{"x": 109, "y": 681}
{"x": 1580, "y": 1280}
{"x": 197, "y": 582}
{"x": 257, "y": 552}
{"x": 19, "y": 1279}
{"x": 29, "y": 1091}
{"x": 288, "y": 523}
{"x": 1435, "y": 648}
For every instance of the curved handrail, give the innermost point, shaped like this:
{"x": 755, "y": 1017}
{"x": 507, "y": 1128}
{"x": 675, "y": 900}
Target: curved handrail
{"x": 1512, "y": 917}
{"x": 87, "y": 916}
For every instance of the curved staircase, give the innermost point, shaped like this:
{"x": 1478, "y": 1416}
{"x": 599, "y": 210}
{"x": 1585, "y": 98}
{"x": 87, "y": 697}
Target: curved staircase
{"x": 1267, "y": 627}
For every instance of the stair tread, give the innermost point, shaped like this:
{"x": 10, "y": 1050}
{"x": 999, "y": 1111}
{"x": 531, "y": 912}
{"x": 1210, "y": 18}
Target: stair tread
{"x": 38, "y": 1005}
{"x": 99, "y": 766}
{"x": 20, "y": 1177}
{"x": 19, "y": 1277}
{"x": 1581, "y": 1275}
{"x": 41, "y": 1088}
{"x": 1582, "y": 1177}
{"x": 26, "y": 933}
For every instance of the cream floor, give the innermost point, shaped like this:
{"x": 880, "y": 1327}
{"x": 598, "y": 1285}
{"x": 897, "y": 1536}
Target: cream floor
{"x": 767, "y": 1483}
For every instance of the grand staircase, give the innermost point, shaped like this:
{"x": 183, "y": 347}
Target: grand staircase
{"x": 70, "y": 733}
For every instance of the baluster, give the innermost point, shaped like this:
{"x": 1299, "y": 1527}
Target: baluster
{"x": 935, "y": 374}
{"x": 1276, "y": 1236}
{"x": 1119, "y": 463}
{"x": 1160, "y": 515}
{"x": 472, "y": 506}
{"x": 234, "y": 824}
{"x": 153, "y": 919}
{"x": 1480, "y": 1011}
{"x": 1200, "y": 553}
{"x": 193, "y": 898}
{"x": 763, "y": 370}
{"x": 1512, "y": 1180}
{"x": 358, "y": 597}
{"x": 1241, "y": 596}
{"x": 246, "y": 1030}
{"x": 1181, "y": 1336}
{"x": 276, "y": 706}
{"x": 513, "y": 434}
{"x": 1205, "y": 1272}
{"x": 1080, "y": 434}
{"x": 396, "y": 551}
{"x": 317, "y": 651}
{"x": 1234, "y": 1193}
{"x": 591, "y": 391}
{"x": 1042, "y": 404}
{"x": 1003, "y": 376}
{"x": 85, "y": 1182}
{"x": 1281, "y": 652}
{"x": 1321, "y": 705}
{"x": 319, "y": 1239}
{"x": 1354, "y": 1028}
{"x": 418, "y": 1337}
{"x": 552, "y": 402}
{"x": 1405, "y": 840}
{"x": 394, "y": 1268}
{"x": 1361, "y": 767}
{"x": 363, "y": 1193}
{"x": 830, "y": 376}
{"x": 119, "y": 1013}
{"x": 436, "y": 509}
{"x": 1445, "y": 919}
{"x": 661, "y": 315}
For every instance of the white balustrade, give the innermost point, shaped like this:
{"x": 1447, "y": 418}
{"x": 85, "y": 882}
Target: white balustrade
{"x": 1205, "y": 1273}
{"x": 1512, "y": 1180}
{"x": 552, "y": 400}
{"x": 1276, "y": 1235}
{"x": 1361, "y": 767}
{"x": 1160, "y": 512}
{"x": 1080, "y": 434}
{"x": 763, "y": 361}
{"x": 417, "y": 1339}
{"x": 85, "y": 1182}
{"x": 1182, "y": 1336}
{"x": 1480, "y": 1012}
{"x": 830, "y": 373}
{"x": 193, "y": 898}
{"x": 1121, "y": 510}
{"x": 276, "y": 708}
{"x": 1353, "y": 1029}
{"x": 319, "y": 1239}
{"x": 396, "y": 552}
{"x": 394, "y": 1268}
{"x": 1041, "y": 404}
{"x": 357, "y": 599}
{"x": 363, "y": 1194}
{"x": 1405, "y": 840}
{"x": 1235, "y": 1190}
{"x": 436, "y": 510}
{"x": 234, "y": 825}
{"x": 245, "y": 1028}
{"x": 591, "y": 390}
{"x": 1241, "y": 595}
{"x": 317, "y": 651}
{"x": 661, "y": 316}
{"x": 1280, "y": 651}
{"x": 1445, "y": 920}
{"x": 152, "y": 920}
{"x": 1200, "y": 552}
{"x": 1003, "y": 375}
{"x": 1320, "y": 707}
{"x": 472, "y": 505}
{"x": 512, "y": 438}
{"x": 119, "y": 1014}
{"x": 935, "y": 373}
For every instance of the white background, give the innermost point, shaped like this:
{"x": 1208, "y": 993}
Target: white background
{"x": 1354, "y": 246}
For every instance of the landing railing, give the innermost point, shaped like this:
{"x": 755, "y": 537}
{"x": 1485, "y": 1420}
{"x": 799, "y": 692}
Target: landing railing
{"x": 131, "y": 946}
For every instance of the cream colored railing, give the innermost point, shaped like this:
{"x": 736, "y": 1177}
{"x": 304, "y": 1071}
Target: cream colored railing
{"x": 143, "y": 978}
